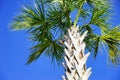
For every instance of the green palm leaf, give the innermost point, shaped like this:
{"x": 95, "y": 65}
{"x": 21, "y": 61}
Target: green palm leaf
{"x": 112, "y": 39}
{"x": 37, "y": 50}
{"x": 47, "y": 22}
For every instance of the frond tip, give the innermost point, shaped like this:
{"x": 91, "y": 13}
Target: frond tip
{"x": 49, "y": 48}
{"x": 112, "y": 40}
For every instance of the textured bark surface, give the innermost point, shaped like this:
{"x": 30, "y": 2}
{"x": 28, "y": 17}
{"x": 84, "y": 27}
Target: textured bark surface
{"x": 75, "y": 59}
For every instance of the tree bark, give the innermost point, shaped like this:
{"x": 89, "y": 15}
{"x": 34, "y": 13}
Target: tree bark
{"x": 74, "y": 58}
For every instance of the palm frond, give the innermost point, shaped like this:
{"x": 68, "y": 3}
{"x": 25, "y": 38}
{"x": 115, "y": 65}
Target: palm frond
{"x": 48, "y": 18}
{"x": 101, "y": 18}
{"x": 49, "y": 47}
{"x": 112, "y": 39}
{"x": 37, "y": 50}
{"x": 30, "y": 17}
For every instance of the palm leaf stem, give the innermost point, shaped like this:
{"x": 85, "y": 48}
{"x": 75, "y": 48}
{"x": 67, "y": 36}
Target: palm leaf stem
{"x": 78, "y": 14}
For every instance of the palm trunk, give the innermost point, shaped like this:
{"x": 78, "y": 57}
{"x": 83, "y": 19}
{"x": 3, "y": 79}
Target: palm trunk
{"x": 75, "y": 59}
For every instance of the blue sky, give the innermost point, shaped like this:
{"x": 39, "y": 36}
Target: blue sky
{"x": 14, "y": 50}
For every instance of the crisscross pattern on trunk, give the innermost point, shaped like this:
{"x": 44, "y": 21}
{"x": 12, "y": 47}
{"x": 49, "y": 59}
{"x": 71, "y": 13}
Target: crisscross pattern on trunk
{"x": 75, "y": 59}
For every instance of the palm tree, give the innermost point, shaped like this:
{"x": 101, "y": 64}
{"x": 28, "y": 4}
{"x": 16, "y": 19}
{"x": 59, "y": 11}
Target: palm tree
{"x": 47, "y": 22}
